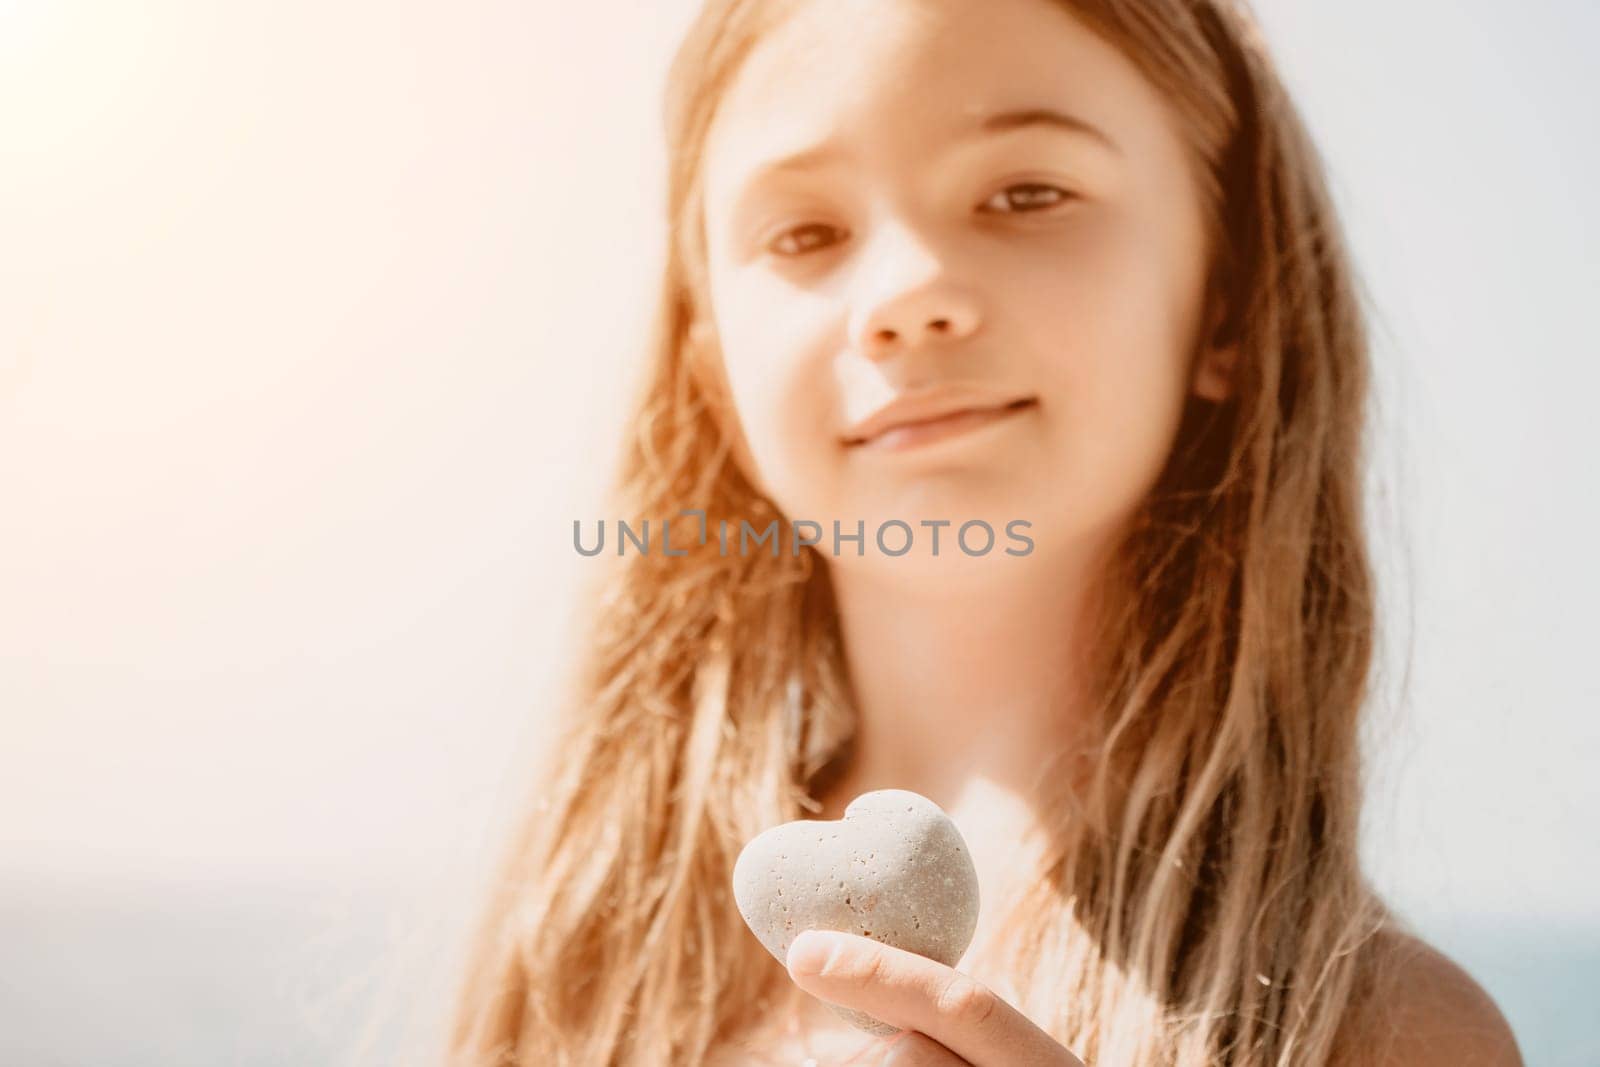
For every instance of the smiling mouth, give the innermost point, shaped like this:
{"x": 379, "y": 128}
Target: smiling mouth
{"x": 926, "y": 431}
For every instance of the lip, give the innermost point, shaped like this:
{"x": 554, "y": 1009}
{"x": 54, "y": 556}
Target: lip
{"x": 934, "y": 412}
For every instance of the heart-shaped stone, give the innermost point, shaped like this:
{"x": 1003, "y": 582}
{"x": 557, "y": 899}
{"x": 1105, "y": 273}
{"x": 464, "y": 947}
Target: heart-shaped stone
{"x": 894, "y": 869}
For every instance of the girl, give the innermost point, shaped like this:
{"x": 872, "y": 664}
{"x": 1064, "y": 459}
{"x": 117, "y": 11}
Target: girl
{"x": 1064, "y": 269}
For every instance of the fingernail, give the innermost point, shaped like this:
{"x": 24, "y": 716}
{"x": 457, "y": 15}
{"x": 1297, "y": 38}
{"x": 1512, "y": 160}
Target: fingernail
{"x": 809, "y": 952}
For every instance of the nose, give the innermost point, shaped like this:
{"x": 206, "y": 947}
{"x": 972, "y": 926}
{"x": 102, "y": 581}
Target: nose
{"x": 915, "y": 304}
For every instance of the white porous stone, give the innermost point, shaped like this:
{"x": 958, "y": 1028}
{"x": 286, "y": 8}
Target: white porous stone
{"x": 894, "y": 869}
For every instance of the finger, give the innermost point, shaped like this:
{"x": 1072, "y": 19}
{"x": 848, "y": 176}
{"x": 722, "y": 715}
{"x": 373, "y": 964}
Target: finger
{"x": 914, "y": 992}
{"x": 913, "y": 1049}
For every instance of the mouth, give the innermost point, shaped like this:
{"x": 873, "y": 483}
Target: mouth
{"x": 952, "y": 424}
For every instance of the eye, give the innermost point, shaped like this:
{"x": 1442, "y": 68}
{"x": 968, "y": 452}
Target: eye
{"x": 800, "y": 239}
{"x": 1035, "y": 197}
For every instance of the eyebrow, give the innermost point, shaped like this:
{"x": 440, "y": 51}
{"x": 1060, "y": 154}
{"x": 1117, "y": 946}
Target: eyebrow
{"x": 1049, "y": 118}
{"x": 997, "y": 123}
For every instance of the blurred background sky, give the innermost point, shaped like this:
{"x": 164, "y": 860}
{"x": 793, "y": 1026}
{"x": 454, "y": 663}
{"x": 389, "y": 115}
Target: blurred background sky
{"x": 316, "y": 321}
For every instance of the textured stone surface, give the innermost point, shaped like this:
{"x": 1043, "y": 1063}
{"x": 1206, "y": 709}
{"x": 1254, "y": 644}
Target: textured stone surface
{"x": 894, "y": 869}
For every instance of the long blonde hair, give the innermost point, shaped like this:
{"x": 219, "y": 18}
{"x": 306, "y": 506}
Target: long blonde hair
{"x": 1201, "y": 900}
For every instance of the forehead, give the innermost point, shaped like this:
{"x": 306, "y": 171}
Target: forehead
{"x": 871, "y": 75}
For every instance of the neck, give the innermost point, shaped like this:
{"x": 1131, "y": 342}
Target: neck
{"x": 962, "y": 690}
{"x": 967, "y": 693}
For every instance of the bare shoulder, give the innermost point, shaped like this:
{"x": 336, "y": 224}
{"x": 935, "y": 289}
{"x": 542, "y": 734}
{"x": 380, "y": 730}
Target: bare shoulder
{"x": 1432, "y": 1013}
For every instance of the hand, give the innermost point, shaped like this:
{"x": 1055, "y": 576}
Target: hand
{"x": 952, "y": 1020}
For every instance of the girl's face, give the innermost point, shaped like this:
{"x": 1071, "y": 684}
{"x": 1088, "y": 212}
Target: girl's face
{"x": 904, "y": 194}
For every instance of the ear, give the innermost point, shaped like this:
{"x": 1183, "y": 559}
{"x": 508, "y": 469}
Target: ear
{"x": 708, "y": 370}
{"x": 1213, "y": 373}
{"x": 1216, "y": 363}
{"x": 702, "y": 332}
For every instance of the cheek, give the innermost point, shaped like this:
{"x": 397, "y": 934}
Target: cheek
{"x": 1115, "y": 317}
{"x": 782, "y": 399}
{"x": 1109, "y": 306}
